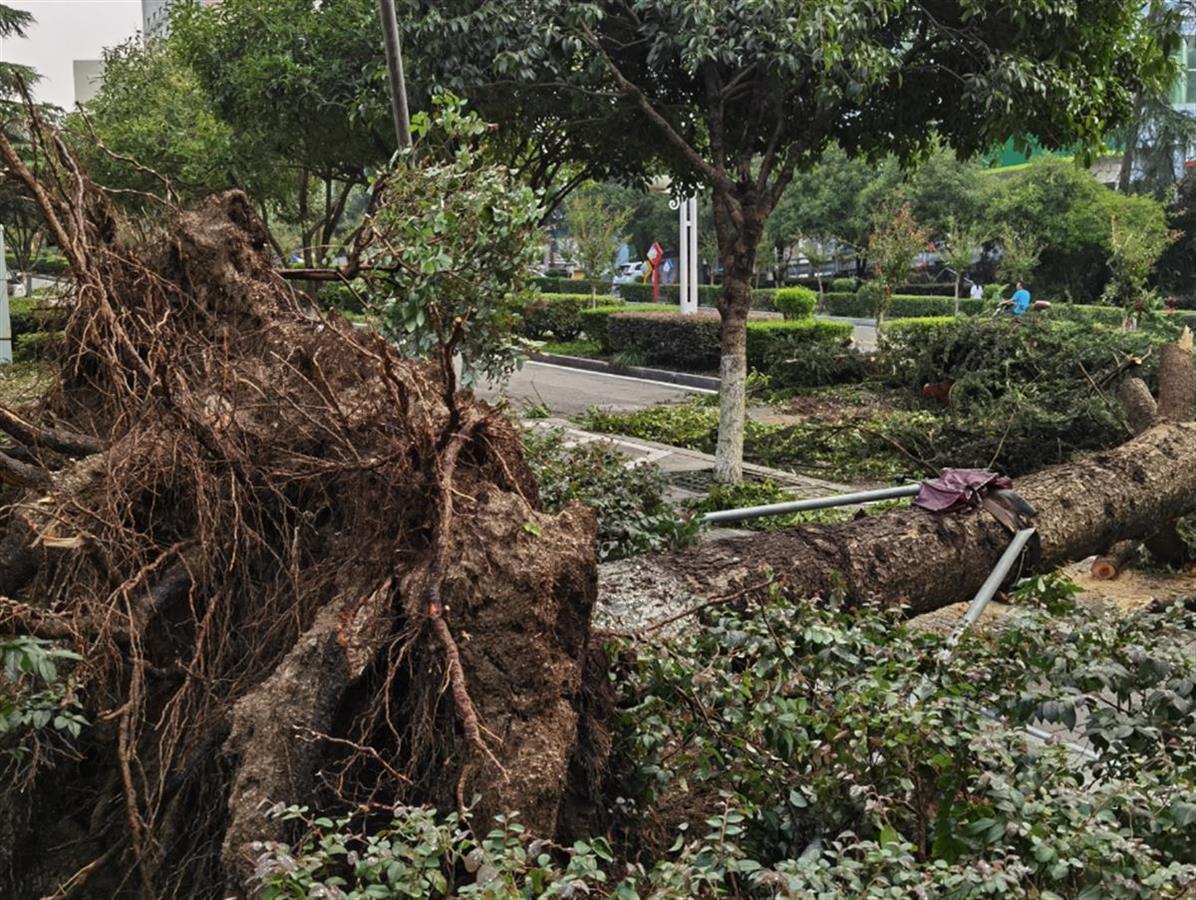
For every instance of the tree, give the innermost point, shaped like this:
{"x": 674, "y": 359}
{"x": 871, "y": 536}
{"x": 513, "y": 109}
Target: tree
{"x": 896, "y": 239}
{"x": 1020, "y": 251}
{"x": 1136, "y": 244}
{"x": 1177, "y": 266}
{"x": 962, "y": 244}
{"x": 302, "y": 87}
{"x": 152, "y": 108}
{"x": 13, "y": 23}
{"x": 596, "y": 229}
{"x": 738, "y": 95}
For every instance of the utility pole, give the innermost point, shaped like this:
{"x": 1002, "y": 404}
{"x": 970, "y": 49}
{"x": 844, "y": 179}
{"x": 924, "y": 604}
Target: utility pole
{"x": 394, "y": 64}
{"x": 5, "y": 319}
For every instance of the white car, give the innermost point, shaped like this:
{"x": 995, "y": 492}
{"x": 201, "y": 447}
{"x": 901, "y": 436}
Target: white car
{"x": 630, "y": 273}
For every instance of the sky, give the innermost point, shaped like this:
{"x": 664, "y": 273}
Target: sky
{"x": 67, "y": 30}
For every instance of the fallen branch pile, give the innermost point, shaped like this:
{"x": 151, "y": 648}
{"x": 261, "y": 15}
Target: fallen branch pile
{"x": 298, "y": 568}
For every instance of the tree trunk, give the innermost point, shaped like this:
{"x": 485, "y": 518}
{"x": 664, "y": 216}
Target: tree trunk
{"x": 958, "y": 288}
{"x": 1126, "y": 173}
{"x": 931, "y": 560}
{"x": 739, "y": 223}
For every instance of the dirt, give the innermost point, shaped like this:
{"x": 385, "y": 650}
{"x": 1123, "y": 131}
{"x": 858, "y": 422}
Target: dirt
{"x": 1131, "y": 592}
{"x": 833, "y": 406}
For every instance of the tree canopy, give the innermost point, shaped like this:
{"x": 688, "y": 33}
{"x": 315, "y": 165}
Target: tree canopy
{"x": 738, "y": 95}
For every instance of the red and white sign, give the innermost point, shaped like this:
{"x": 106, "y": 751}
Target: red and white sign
{"x": 655, "y": 252}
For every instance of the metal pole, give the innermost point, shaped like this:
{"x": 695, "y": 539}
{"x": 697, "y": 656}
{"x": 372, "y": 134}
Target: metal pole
{"x": 5, "y": 319}
{"x": 693, "y": 254}
{"x": 683, "y": 247}
{"x": 394, "y": 64}
{"x": 780, "y": 509}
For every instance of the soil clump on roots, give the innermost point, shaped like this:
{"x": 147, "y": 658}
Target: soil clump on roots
{"x": 298, "y": 568}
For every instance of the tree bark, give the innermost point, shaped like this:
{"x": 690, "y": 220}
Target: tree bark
{"x": 929, "y": 560}
{"x": 739, "y": 222}
{"x": 1113, "y": 562}
{"x": 1139, "y": 405}
{"x": 1177, "y": 383}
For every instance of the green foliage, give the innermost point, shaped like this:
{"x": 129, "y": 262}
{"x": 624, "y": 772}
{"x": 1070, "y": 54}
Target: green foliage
{"x": 596, "y": 230}
{"x": 559, "y": 314}
{"x": 896, "y": 239}
{"x": 845, "y": 285}
{"x": 1021, "y": 392}
{"x": 691, "y": 341}
{"x": 583, "y": 348}
{"x": 819, "y": 777}
{"x": 763, "y": 493}
{"x": 37, "y": 346}
{"x": 1136, "y": 243}
{"x": 36, "y": 703}
{"x": 871, "y": 297}
{"x": 468, "y": 235}
{"x": 1020, "y": 253}
{"x": 817, "y": 365}
{"x": 670, "y": 294}
{"x": 571, "y": 285}
{"x": 633, "y": 516}
{"x": 795, "y": 302}
{"x": 151, "y": 107}
{"x": 594, "y": 320}
{"x": 347, "y": 298}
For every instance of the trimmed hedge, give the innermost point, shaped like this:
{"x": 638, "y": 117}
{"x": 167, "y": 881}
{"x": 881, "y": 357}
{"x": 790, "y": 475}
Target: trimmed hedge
{"x": 844, "y": 286}
{"x": 28, "y": 315}
{"x": 927, "y": 290}
{"x": 691, "y": 342}
{"x": 559, "y": 314}
{"x": 795, "y": 302}
{"x": 551, "y": 285}
{"x": 670, "y": 294}
{"x": 594, "y": 320}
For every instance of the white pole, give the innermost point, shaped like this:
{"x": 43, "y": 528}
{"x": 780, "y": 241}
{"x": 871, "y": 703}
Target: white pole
{"x": 693, "y": 253}
{"x": 5, "y": 320}
{"x": 683, "y": 246}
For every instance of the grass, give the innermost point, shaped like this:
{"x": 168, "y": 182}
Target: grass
{"x": 23, "y": 382}
{"x": 583, "y": 348}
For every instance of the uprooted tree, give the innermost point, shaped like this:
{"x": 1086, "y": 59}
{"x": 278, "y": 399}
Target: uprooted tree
{"x": 296, "y": 566}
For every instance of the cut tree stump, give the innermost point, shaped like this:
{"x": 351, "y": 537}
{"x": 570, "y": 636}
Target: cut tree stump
{"x": 1113, "y": 562}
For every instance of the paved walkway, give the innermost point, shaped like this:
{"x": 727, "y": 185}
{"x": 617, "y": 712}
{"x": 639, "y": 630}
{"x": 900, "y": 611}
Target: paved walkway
{"x": 863, "y": 331}
{"x": 570, "y": 392}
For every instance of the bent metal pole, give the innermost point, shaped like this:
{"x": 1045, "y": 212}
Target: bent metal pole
{"x": 781, "y": 509}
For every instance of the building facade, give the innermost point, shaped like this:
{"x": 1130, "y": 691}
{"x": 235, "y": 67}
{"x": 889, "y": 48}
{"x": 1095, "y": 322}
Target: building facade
{"x": 155, "y": 17}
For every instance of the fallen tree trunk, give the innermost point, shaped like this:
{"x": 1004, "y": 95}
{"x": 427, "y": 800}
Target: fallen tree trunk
{"x": 932, "y": 560}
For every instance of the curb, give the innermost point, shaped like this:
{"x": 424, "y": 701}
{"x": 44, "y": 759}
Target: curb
{"x": 683, "y": 379}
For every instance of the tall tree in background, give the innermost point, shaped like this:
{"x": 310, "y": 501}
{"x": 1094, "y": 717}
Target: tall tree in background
{"x": 303, "y": 88}
{"x": 18, "y": 214}
{"x": 738, "y": 95}
{"x": 596, "y": 229}
{"x": 962, "y": 244}
{"x": 13, "y": 23}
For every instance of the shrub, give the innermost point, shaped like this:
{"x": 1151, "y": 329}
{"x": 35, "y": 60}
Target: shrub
{"x": 344, "y": 297}
{"x": 776, "y": 343}
{"x": 594, "y": 320}
{"x": 993, "y": 291}
{"x": 926, "y": 290}
{"x": 550, "y": 285}
{"x": 27, "y": 315}
{"x": 633, "y": 516}
{"x": 819, "y": 365}
{"x": 844, "y": 286}
{"x": 692, "y": 341}
{"x": 670, "y": 294}
{"x": 871, "y": 297}
{"x": 36, "y": 346}
{"x": 668, "y": 338}
{"x": 794, "y": 302}
{"x": 559, "y": 314}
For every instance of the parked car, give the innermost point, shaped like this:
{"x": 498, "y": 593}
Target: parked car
{"x": 630, "y": 273}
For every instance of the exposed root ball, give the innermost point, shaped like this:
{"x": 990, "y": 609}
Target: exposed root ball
{"x": 299, "y": 569}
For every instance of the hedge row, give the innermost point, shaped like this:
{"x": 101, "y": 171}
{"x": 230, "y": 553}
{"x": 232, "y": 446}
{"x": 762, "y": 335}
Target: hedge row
{"x": 28, "y": 315}
{"x": 670, "y": 294}
{"x": 691, "y": 342}
{"x": 560, "y": 314}
{"x": 900, "y": 306}
{"x": 550, "y": 285}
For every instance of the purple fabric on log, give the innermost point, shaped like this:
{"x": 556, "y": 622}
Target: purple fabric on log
{"x": 957, "y": 489}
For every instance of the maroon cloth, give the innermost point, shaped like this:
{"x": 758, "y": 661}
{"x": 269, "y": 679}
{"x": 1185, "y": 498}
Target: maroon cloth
{"x": 957, "y": 489}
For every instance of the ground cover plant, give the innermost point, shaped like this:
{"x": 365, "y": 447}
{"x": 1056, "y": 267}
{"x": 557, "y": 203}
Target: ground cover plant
{"x": 776, "y": 752}
{"x": 629, "y": 500}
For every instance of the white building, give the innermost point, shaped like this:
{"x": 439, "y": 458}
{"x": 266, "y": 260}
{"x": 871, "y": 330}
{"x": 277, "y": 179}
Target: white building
{"x": 155, "y": 17}
{"x": 89, "y": 76}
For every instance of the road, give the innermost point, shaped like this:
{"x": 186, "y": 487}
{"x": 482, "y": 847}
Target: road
{"x": 863, "y": 331}
{"x": 570, "y": 392}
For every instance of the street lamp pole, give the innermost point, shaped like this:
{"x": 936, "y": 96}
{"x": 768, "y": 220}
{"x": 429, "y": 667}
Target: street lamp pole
{"x": 688, "y": 227}
{"x": 394, "y": 65}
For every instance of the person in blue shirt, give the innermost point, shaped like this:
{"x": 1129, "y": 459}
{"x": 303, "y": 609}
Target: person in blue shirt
{"x": 1021, "y": 300}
